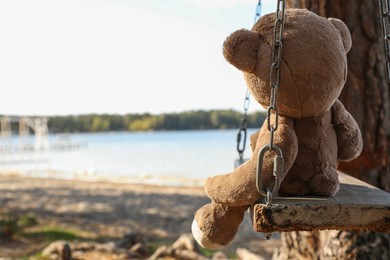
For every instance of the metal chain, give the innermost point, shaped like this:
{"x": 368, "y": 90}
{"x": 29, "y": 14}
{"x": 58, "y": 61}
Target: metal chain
{"x": 258, "y": 12}
{"x": 273, "y": 110}
{"x": 242, "y": 131}
{"x": 385, "y": 23}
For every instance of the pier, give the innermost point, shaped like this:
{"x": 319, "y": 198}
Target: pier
{"x": 32, "y": 137}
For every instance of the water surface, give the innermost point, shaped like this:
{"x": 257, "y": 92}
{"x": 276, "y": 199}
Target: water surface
{"x": 167, "y": 157}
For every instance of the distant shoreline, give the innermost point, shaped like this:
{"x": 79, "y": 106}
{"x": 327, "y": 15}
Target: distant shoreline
{"x": 187, "y": 120}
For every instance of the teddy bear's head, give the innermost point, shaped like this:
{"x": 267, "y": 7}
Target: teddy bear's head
{"x": 313, "y": 66}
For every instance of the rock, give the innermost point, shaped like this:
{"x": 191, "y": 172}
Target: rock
{"x": 129, "y": 239}
{"x": 186, "y": 241}
{"x": 83, "y": 250}
{"x": 184, "y": 248}
{"x": 58, "y": 250}
{"x": 219, "y": 256}
{"x": 84, "y": 246}
{"x": 66, "y": 253}
{"x": 108, "y": 247}
{"x": 188, "y": 255}
{"x": 139, "y": 250}
{"x": 128, "y": 247}
{"x": 160, "y": 252}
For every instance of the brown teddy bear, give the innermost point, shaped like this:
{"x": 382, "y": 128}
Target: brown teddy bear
{"x": 314, "y": 132}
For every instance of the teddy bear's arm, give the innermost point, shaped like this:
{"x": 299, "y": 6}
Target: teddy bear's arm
{"x": 349, "y": 138}
{"x": 238, "y": 188}
{"x": 253, "y": 139}
{"x": 285, "y": 138}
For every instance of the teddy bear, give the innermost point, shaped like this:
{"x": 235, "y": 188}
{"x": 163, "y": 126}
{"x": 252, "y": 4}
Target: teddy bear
{"x": 314, "y": 129}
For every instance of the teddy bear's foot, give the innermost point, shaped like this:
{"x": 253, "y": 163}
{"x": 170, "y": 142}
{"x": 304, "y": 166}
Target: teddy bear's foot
{"x": 216, "y": 225}
{"x": 325, "y": 183}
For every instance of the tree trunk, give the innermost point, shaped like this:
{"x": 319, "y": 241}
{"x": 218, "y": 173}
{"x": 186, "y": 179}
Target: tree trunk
{"x": 366, "y": 96}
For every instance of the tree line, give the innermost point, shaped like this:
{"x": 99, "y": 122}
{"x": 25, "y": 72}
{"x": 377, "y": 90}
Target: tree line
{"x": 189, "y": 120}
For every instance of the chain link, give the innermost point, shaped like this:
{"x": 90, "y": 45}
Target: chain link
{"x": 241, "y": 137}
{"x": 278, "y": 169}
{"x": 242, "y": 131}
{"x": 258, "y": 12}
{"x": 385, "y": 23}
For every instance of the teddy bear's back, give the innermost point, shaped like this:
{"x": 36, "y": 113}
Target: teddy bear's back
{"x": 314, "y": 169}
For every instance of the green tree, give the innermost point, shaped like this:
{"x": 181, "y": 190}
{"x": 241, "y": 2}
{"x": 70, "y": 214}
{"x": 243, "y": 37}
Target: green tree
{"x": 100, "y": 124}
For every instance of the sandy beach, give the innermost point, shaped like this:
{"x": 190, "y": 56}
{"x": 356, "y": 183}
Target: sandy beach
{"x": 111, "y": 209}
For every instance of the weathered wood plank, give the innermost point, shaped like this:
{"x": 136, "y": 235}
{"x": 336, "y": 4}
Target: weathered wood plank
{"x": 357, "y": 206}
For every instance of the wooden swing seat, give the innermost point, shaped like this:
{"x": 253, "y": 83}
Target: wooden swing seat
{"x": 356, "y": 206}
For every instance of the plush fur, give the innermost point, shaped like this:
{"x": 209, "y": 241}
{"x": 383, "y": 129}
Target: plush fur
{"x": 315, "y": 130}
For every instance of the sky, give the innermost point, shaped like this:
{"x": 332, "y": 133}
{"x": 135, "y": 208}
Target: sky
{"x": 67, "y": 57}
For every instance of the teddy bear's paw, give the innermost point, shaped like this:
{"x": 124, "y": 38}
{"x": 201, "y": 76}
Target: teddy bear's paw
{"x": 203, "y": 240}
{"x": 216, "y": 225}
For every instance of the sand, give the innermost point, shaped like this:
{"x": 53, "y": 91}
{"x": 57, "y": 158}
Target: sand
{"x": 110, "y": 209}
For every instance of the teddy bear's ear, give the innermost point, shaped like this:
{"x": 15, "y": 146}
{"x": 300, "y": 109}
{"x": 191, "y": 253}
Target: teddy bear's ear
{"x": 345, "y": 34}
{"x": 240, "y": 49}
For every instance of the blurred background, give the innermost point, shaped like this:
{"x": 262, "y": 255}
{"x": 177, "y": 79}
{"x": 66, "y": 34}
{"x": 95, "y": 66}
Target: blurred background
{"x": 113, "y": 113}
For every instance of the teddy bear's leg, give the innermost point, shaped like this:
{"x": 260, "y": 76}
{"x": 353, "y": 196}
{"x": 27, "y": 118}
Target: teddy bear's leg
{"x": 293, "y": 184}
{"x": 215, "y": 225}
{"x": 325, "y": 183}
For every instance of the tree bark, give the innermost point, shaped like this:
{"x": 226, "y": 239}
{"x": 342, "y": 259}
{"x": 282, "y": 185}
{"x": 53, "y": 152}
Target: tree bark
{"x": 366, "y": 96}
